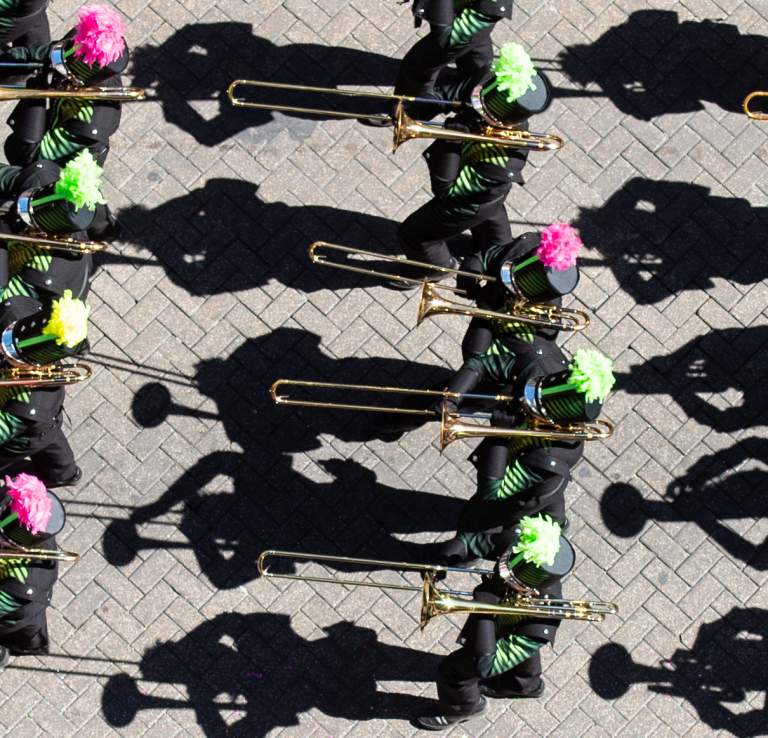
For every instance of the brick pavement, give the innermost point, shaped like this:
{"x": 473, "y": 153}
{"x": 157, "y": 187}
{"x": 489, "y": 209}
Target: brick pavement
{"x": 164, "y": 628}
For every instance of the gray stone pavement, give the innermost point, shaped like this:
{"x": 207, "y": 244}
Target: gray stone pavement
{"x": 164, "y": 627}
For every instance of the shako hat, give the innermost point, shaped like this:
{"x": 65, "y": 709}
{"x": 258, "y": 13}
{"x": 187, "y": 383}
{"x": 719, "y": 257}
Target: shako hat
{"x": 67, "y": 205}
{"x": 538, "y": 554}
{"x": 516, "y": 92}
{"x": 546, "y": 271}
{"x": 574, "y": 395}
{"x": 46, "y": 337}
{"x": 29, "y": 513}
{"x": 96, "y": 50}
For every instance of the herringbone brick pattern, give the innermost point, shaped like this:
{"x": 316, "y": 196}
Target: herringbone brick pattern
{"x": 164, "y": 627}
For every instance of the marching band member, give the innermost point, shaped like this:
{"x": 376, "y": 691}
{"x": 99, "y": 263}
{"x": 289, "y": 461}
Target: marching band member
{"x": 30, "y": 517}
{"x": 470, "y": 180}
{"x": 24, "y": 22}
{"x": 94, "y": 53}
{"x": 500, "y": 655}
{"x": 460, "y": 33}
{"x": 535, "y": 268}
{"x": 45, "y": 199}
{"x": 525, "y": 475}
{"x": 31, "y": 417}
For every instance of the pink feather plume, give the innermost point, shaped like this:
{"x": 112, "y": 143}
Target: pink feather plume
{"x": 559, "y": 246}
{"x": 30, "y": 501}
{"x": 99, "y": 35}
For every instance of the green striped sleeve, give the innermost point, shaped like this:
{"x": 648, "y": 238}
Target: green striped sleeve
{"x": 466, "y": 25}
{"x": 469, "y": 182}
{"x": 510, "y": 651}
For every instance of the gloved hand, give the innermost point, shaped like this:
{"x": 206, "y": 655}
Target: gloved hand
{"x": 504, "y": 417}
{"x": 456, "y": 124}
{"x": 490, "y": 590}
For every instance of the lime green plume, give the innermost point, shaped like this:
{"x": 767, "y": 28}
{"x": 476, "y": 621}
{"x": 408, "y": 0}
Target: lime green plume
{"x": 514, "y": 71}
{"x": 69, "y": 320}
{"x": 591, "y": 373}
{"x": 539, "y": 540}
{"x": 80, "y": 180}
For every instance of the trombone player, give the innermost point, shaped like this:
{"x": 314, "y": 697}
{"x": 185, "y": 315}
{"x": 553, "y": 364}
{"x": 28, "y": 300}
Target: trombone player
{"x": 55, "y": 204}
{"x": 459, "y": 33}
{"x": 521, "y": 476}
{"x": 471, "y": 180}
{"x": 92, "y": 53}
{"x": 30, "y": 517}
{"x": 30, "y": 409}
{"x": 500, "y": 655}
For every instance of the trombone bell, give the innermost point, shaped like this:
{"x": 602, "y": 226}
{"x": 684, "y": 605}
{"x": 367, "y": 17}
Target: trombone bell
{"x": 406, "y": 128}
{"x": 544, "y": 316}
{"x": 452, "y": 428}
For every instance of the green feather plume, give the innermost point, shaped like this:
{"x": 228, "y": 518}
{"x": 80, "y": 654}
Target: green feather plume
{"x": 539, "y": 540}
{"x": 80, "y": 180}
{"x": 591, "y": 373}
{"x": 514, "y": 71}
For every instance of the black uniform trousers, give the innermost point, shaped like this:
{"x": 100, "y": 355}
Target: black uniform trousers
{"x": 52, "y": 457}
{"x": 420, "y": 67}
{"x": 423, "y": 233}
{"x": 458, "y": 681}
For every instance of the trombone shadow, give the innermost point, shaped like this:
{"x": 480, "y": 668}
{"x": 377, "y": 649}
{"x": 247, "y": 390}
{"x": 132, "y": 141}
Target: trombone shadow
{"x": 727, "y": 661}
{"x": 661, "y": 238}
{"x": 655, "y": 64}
{"x": 718, "y": 488}
{"x": 245, "y": 675}
{"x": 191, "y": 70}
{"x": 223, "y": 237}
{"x": 334, "y": 506}
{"x": 695, "y": 375}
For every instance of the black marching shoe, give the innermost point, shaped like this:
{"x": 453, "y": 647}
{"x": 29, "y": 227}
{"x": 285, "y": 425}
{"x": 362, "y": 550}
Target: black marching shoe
{"x": 5, "y": 657}
{"x": 69, "y": 482}
{"x": 447, "y": 719}
{"x": 501, "y": 694}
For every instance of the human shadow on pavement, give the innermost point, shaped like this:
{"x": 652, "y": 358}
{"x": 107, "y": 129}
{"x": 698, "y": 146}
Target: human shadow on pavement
{"x": 662, "y": 238}
{"x": 223, "y": 237}
{"x": 259, "y": 674}
{"x": 717, "y": 489}
{"x": 695, "y": 376}
{"x": 194, "y": 66}
{"x": 727, "y": 661}
{"x": 654, "y": 64}
{"x": 269, "y": 502}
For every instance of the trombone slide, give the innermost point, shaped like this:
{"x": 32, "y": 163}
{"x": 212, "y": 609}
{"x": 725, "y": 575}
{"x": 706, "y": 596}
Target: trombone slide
{"x": 753, "y": 114}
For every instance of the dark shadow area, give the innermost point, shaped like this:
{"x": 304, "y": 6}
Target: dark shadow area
{"x": 223, "y": 238}
{"x": 718, "y": 488}
{"x": 653, "y": 64}
{"x": 697, "y": 374}
{"x": 728, "y": 659}
{"x": 198, "y": 62}
{"x": 258, "y": 667}
{"x": 663, "y": 238}
{"x": 271, "y": 503}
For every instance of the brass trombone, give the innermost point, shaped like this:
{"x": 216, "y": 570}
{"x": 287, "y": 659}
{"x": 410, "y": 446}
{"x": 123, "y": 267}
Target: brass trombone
{"x": 751, "y": 113}
{"x": 436, "y": 601}
{"x": 405, "y": 127}
{"x": 546, "y": 316}
{"x": 49, "y": 375}
{"x": 116, "y": 94}
{"x": 431, "y": 303}
{"x": 452, "y": 425}
{"x": 38, "y": 554}
{"x": 50, "y": 243}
